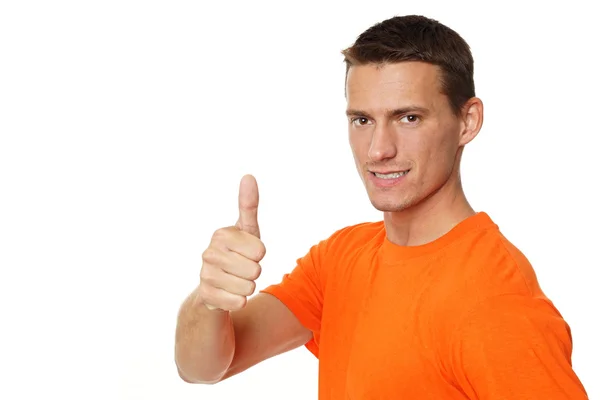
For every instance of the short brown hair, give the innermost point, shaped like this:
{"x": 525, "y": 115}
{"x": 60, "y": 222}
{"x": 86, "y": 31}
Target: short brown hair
{"x": 417, "y": 38}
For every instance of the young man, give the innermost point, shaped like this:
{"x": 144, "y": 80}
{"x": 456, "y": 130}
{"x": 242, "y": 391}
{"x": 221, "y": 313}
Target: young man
{"x": 433, "y": 302}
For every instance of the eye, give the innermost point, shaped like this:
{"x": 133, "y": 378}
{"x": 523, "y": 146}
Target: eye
{"x": 360, "y": 121}
{"x": 410, "y": 119}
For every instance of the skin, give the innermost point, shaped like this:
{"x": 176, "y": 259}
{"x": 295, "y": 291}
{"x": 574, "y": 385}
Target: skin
{"x": 221, "y": 333}
{"x": 398, "y": 120}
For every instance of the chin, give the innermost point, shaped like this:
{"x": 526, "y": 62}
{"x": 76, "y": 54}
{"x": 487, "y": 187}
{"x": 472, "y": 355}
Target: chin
{"x": 390, "y": 205}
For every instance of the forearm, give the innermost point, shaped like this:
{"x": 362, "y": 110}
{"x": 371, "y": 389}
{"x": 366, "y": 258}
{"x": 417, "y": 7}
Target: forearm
{"x": 204, "y": 341}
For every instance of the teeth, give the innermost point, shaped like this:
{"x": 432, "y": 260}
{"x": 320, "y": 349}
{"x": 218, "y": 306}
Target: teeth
{"x": 391, "y": 175}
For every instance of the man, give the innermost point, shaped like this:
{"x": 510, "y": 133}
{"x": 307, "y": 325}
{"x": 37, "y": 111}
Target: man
{"x": 433, "y": 302}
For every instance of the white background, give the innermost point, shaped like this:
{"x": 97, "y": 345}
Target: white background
{"x": 125, "y": 128}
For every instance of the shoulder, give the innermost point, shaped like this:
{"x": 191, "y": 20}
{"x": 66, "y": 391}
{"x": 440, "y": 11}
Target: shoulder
{"x": 487, "y": 269}
{"x": 355, "y": 237}
{"x": 342, "y": 243}
{"x": 496, "y": 265}
{"x": 357, "y": 232}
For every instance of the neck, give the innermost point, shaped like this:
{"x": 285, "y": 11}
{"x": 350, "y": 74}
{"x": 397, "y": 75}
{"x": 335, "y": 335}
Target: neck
{"x": 431, "y": 218}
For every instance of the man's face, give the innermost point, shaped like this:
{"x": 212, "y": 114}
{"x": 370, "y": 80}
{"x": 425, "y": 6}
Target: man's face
{"x": 403, "y": 133}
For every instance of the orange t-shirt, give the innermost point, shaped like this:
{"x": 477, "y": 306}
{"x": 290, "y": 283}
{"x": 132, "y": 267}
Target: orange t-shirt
{"x": 462, "y": 317}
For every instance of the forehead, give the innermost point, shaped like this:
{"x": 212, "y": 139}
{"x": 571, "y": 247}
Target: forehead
{"x": 393, "y": 85}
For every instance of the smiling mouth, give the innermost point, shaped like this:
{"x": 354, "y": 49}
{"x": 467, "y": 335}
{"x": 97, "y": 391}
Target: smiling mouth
{"x": 391, "y": 175}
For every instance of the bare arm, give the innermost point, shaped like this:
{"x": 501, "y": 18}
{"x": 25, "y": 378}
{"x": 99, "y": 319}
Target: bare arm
{"x": 204, "y": 341}
{"x": 214, "y": 345}
{"x": 219, "y": 332}
{"x": 263, "y": 329}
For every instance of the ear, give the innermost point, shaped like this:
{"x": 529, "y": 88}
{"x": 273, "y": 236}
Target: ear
{"x": 472, "y": 117}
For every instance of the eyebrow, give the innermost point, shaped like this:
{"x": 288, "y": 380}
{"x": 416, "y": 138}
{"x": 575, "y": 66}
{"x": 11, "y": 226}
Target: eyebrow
{"x": 390, "y": 113}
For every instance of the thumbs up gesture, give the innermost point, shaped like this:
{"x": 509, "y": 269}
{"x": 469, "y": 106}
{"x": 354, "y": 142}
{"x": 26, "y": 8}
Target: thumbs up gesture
{"x": 248, "y": 204}
{"x": 230, "y": 263}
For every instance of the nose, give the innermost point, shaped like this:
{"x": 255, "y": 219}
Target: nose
{"x": 383, "y": 144}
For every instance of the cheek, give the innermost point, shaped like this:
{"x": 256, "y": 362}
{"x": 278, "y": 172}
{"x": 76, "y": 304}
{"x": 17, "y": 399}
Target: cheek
{"x": 433, "y": 155}
{"x": 440, "y": 160}
{"x": 359, "y": 143}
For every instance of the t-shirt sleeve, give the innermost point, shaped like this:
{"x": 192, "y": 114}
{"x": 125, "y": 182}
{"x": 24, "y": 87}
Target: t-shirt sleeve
{"x": 515, "y": 347}
{"x": 301, "y": 291}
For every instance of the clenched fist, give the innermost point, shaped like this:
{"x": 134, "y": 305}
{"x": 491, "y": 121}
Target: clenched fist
{"x": 230, "y": 263}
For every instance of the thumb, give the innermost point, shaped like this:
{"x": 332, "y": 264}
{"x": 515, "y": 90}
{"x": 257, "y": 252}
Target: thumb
{"x": 248, "y": 204}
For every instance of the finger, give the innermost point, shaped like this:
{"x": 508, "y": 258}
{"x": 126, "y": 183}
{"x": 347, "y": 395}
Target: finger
{"x": 216, "y": 298}
{"x": 245, "y": 244}
{"x": 217, "y": 278}
{"x": 229, "y": 262}
{"x": 248, "y": 205}
{"x": 233, "y": 284}
{"x": 241, "y": 267}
